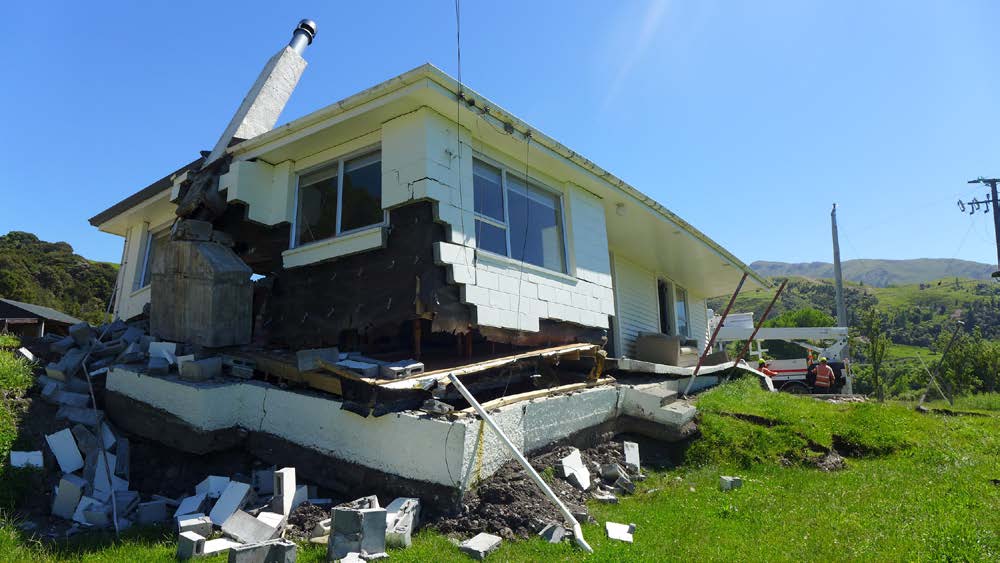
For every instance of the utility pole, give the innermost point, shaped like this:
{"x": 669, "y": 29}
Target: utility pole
{"x": 975, "y": 204}
{"x": 838, "y": 278}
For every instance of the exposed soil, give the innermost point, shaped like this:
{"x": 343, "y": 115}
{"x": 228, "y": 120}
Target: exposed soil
{"x": 832, "y": 462}
{"x": 510, "y": 505}
{"x": 303, "y": 519}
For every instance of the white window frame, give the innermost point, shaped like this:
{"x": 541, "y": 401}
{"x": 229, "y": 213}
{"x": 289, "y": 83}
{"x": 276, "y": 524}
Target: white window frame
{"x": 687, "y": 311}
{"x": 293, "y": 239}
{"x": 505, "y": 225}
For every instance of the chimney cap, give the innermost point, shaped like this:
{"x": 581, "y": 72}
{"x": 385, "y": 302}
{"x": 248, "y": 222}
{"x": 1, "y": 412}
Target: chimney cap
{"x": 309, "y": 27}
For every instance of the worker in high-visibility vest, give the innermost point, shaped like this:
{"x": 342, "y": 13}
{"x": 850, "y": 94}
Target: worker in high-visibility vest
{"x": 762, "y": 367}
{"x": 824, "y": 377}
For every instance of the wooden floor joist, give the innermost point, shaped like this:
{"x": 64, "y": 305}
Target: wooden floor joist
{"x": 537, "y": 394}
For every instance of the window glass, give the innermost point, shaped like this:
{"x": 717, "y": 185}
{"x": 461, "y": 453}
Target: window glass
{"x": 362, "y": 198}
{"x": 152, "y": 242}
{"x": 535, "y": 226}
{"x": 317, "y": 213}
{"x": 490, "y": 237}
{"x": 681, "y": 308}
{"x": 488, "y": 193}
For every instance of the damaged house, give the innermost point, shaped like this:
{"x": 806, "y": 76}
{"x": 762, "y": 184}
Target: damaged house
{"x": 415, "y": 220}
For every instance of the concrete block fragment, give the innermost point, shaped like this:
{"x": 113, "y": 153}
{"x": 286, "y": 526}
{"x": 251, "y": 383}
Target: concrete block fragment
{"x": 161, "y": 349}
{"x": 152, "y": 512}
{"x": 125, "y": 502}
{"x": 401, "y": 506}
{"x": 553, "y": 533}
{"x": 201, "y": 370}
{"x": 400, "y": 534}
{"x": 101, "y": 463}
{"x": 122, "y": 453}
{"x": 481, "y": 545}
{"x": 65, "y": 450}
{"x": 144, "y": 341}
{"x": 354, "y": 530}
{"x": 727, "y": 483}
{"x": 219, "y": 545}
{"x": 189, "y": 545}
{"x": 71, "y": 362}
{"x": 301, "y": 495}
{"x": 132, "y": 354}
{"x": 247, "y": 529}
{"x": 322, "y": 528}
{"x": 575, "y": 471}
{"x": 26, "y": 354}
{"x": 284, "y": 490}
{"x": 625, "y": 484}
{"x": 190, "y": 505}
{"x": 263, "y": 481}
{"x": 108, "y": 437}
{"x": 81, "y": 333}
{"x": 50, "y": 390}
{"x": 68, "y": 496}
{"x": 272, "y": 519}
{"x": 193, "y": 229}
{"x": 173, "y": 503}
{"x": 605, "y": 498}
{"x": 620, "y": 532}
{"x": 63, "y": 345}
{"x": 181, "y": 360}
{"x": 78, "y": 415}
{"x": 26, "y": 459}
{"x": 309, "y": 359}
{"x": 157, "y": 366}
{"x": 364, "y": 369}
{"x": 85, "y": 439}
{"x": 403, "y": 368}
{"x": 72, "y": 399}
{"x": 98, "y": 516}
{"x": 199, "y": 524}
{"x": 612, "y": 472}
{"x": 435, "y": 406}
{"x": 230, "y": 501}
{"x": 271, "y": 551}
{"x": 131, "y": 334}
{"x": 107, "y": 350}
{"x": 632, "y": 461}
{"x": 54, "y": 371}
{"x": 86, "y": 504}
{"x": 213, "y": 486}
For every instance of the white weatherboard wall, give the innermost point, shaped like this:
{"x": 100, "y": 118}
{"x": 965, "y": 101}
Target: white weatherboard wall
{"x": 636, "y": 295}
{"x": 408, "y": 444}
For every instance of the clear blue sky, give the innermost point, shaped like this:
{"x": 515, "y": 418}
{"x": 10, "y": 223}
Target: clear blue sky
{"x": 746, "y": 118}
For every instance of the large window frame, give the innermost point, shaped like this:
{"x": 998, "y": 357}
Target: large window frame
{"x": 527, "y": 184}
{"x": 668, "y": 296}
{"x": 340, "y": 163}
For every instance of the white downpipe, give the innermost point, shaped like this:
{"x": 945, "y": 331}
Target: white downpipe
{"x": 577, "y": 531}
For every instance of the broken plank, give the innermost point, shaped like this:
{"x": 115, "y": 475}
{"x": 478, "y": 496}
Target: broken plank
{"x": 537, "y": 394}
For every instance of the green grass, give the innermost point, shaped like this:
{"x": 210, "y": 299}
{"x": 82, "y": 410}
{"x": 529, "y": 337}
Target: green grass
{"x": 8, "y": 340}
{"x": 919, "y": 490}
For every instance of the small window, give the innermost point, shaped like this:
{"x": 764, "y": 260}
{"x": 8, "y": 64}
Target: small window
{"x": 341, "y": 197}
{"x": 152, "y": 242}
{"x": 681, "y": 309}
{"x": 517, "y": 219}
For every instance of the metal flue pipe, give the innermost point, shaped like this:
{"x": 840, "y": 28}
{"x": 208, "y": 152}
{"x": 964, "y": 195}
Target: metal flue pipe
{"x": 303, "y": 35}
{"x": 577, "y": 530}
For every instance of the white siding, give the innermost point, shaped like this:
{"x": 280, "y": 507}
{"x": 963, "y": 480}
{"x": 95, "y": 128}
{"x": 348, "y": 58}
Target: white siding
{"x": 636, "y": 299}
{"x": 590, "y": 237}
{"x": 699, "y": 321}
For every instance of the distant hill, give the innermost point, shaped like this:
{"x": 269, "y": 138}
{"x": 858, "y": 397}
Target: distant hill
{"x": 921, "y": 310}
{"x": 881, "y": 273}
{"x": 50, "y": 274}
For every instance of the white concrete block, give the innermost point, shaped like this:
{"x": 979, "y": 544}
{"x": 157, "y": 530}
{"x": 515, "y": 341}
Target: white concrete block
{"x": 212, "y": 486}
{"x": 632, "y": 461}
{"x": 190, "y": 505}
{"x": 230, "y": 501}
{"x": 68, "y": 495}
{"x": 546, "y": 292}
{"x": 26, "y": 459}
{"x": 199, "y": 524}
{"x": 272, "y": 519}
{"x": 108, "y": 437}
{"x": 575, "y": 471}
{"x": 728, "y": 483}
{"x": 510, "y": 283}
{"x": 284, "y": 490}
{"x": 500, "y": 300}
{"x": 487, "y": 316}
{"x": 158, "y": 348}
{"x": 301, "y": 495}
{"x": 219, "y": 545}
{"x": 487, "y": 280}
{"x": 620, "y": 532}
{"x": 475, "y": 294}
{"x": 85, "y": 504}
{"x": 481, "y": 545}
{"x": 247, "y": 529}
{"x": 190, "y": 545}
{"x": 65, "y": 450}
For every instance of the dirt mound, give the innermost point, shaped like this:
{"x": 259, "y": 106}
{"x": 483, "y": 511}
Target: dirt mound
{"x": 303, "y": 519}
{"x": 511, "y": 506}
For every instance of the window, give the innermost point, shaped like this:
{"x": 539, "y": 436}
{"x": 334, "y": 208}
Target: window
{"x": 339, "y": 198}
{"x": 681, "y": 309}
{"x": 517, "y": 219}
{"x": 149, "y": 250}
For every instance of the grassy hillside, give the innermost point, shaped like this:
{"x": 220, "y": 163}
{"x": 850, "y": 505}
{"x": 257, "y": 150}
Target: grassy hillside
{"x": 881, "y": 273}
{"x": 50, "y": 274}
{"x": 921, "y": 309}
{"x": 914, "y": 487}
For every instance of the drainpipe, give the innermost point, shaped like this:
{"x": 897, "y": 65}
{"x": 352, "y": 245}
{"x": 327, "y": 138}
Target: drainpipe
{"x": 577, "y": 530}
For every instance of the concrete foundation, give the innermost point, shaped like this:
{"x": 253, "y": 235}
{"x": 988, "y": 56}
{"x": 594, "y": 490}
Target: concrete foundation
{"x": 395, "y": 454}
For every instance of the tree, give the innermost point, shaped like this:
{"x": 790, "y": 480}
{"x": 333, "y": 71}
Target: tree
{"x": 874, "y": 343}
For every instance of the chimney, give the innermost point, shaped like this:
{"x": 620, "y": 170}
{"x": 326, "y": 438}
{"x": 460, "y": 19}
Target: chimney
{"x": 267, "y": 97}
